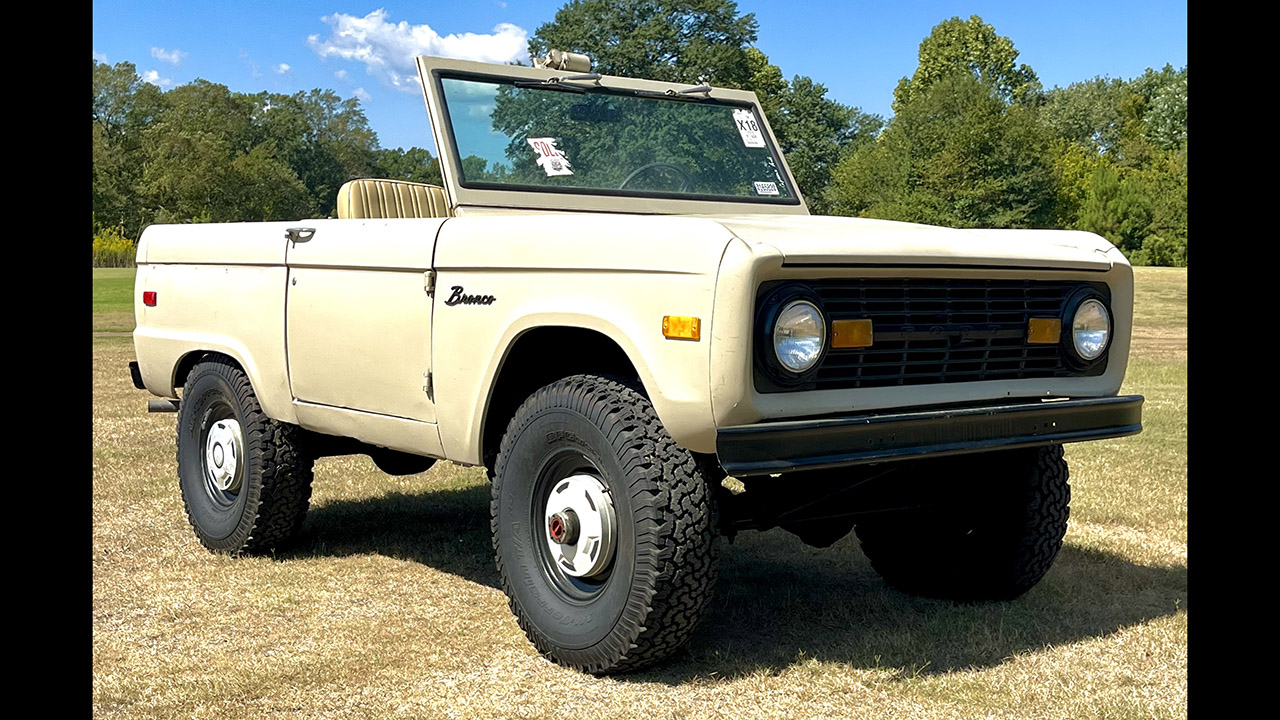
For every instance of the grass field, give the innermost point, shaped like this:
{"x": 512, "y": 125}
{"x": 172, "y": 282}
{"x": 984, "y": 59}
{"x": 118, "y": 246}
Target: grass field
{"x": 389, "y": 607}
{"x": 113, "y": 299}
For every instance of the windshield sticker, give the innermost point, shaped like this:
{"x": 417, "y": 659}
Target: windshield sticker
{"x": 551, "y": 158}
{"x": 766, "y": 188}
{"x": 748, "y": 128}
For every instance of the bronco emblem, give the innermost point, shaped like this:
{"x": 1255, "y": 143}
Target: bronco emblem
{"x": 458, "y": 298}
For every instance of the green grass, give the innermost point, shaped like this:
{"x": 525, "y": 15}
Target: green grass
{"x": 113, "y": 299}
{"x": 1160, "y": 298}
{"x": 388, "y": 604}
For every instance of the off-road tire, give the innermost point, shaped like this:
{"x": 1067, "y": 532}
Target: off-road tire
{"x": 991, "y": 532}
{"x": 275, "y": 488}
{"x": 664, "y": 570}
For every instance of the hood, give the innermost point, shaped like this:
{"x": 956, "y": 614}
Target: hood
{"x": 823, "y": 240}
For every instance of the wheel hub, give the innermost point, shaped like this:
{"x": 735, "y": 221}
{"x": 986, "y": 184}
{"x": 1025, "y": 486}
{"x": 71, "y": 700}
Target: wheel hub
{"x": 223, "y": 449}
{"x": 581, "y": 528}
{"x": 563, "y": 527}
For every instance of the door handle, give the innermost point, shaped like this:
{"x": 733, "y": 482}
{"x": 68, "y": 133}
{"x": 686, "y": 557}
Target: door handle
{"x": 299, "y": 234}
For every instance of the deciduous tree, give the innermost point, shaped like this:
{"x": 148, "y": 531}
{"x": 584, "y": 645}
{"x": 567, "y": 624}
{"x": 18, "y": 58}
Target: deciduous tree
{"x": 971, "y": 46}
{"x": 957, "y": 155}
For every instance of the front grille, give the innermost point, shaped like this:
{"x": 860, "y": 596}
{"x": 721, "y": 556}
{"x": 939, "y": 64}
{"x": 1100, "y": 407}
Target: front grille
{"x": 929, "y": 331}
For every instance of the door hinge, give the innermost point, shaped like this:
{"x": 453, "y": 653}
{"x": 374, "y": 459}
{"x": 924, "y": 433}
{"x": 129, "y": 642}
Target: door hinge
{"x": 426, "y": 386}
{"x": 429, "y": 282}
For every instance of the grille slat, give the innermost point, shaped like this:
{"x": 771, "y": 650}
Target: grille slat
{"x": 941, "y": 331}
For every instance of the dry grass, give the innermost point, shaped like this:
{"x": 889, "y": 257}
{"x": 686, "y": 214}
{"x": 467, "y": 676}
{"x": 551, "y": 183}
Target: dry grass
{"x": 387, "y": 607}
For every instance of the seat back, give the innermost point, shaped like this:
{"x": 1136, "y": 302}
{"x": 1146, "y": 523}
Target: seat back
{"x": 374, "y": 198}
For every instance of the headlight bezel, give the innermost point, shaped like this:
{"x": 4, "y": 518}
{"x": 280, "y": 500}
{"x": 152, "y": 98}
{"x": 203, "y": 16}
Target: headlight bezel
{"x": 769, "y": 368}
{"x": 1075, "y": 359}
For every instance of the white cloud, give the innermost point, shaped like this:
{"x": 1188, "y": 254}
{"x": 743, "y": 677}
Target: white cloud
{"x": 362, "y": 94}
{"x": 388, "y": 49}
{"x": 283, "y": 68}
{"x": 100, "y": 57}
{"x": 341, "y": 74}
{"x": 173, "y": 57}
{"x": 154, "y": 78}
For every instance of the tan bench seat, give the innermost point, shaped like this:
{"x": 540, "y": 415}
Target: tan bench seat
{"x": 374, "y": 198}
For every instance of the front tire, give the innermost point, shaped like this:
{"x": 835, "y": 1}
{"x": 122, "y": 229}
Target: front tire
{"x": 603, "y": 527}
{"x": 245, "y": 478}
{"x": 993, "y": 527}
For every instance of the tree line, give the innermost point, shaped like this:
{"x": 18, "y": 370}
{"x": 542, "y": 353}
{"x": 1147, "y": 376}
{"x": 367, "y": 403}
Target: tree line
{"x": 974, "y": 140}
{"x": 202, "y": 153}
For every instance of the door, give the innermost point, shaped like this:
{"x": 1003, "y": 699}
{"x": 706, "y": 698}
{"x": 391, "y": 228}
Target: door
{"x": 358, "y": 316}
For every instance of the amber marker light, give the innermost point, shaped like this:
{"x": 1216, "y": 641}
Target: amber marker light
{"x": 681, "y": 327}
{"x": 1044, "y": 331}
{"x": 851, "y": 333}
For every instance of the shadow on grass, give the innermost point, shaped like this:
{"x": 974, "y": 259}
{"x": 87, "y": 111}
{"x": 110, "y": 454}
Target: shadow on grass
{"x": 445, "y": 529}
{"x": 780, "y": 602}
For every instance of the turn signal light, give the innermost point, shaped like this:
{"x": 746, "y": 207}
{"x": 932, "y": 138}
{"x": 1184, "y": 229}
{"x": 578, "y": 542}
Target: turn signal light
{"x": 851, "y": 333}
{"x": 1044, "y": 331}
{"x": 149, "y": 298}
{"x": 681, "y": 327}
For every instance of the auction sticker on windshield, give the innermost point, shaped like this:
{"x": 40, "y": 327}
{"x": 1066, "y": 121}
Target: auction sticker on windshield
{"x": 766, "y": 188}
{"x": 748, "y": 128}
{"x": 551, "y": 158}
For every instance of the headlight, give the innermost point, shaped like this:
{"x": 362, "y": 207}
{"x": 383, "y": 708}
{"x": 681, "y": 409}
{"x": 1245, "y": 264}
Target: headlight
{"x": 798, "y": 336}
{"x": 1091, "y": 329}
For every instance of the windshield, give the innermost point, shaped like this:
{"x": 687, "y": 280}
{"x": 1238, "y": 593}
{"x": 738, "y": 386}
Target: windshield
{"x": 613, "y": 142}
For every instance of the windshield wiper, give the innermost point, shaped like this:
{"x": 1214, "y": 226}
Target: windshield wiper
{"x": 673, "y": 95}
{"x": 558, "y": 83}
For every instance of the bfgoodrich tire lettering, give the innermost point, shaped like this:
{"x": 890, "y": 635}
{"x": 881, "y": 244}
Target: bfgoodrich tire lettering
{"x": 647, "y": 601}
{"x": 992, "y": 533}
{"x": 260, "y": 505}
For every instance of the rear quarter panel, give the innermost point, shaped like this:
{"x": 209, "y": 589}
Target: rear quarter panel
{"x": 220, "y": 287}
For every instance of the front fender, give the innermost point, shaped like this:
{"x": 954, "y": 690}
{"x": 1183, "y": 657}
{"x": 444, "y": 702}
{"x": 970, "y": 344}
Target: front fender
{"x": 472, "y": 343}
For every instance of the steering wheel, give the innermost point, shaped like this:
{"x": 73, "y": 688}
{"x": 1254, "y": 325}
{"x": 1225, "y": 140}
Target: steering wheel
{"x": 686, "y": 181}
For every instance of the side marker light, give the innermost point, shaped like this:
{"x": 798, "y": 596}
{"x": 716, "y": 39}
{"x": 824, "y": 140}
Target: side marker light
{"x": 681, "y": 327}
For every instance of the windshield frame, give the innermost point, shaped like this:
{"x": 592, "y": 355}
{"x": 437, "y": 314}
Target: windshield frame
{"x": 433, "y": 71}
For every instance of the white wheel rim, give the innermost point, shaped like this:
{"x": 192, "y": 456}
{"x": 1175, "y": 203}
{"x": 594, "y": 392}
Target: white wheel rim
{"x": 584, "y": 499}
{"x": 223, "y": 453}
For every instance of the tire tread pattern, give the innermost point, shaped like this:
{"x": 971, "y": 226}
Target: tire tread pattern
{"x": 281, "y": 494}
{"x": 675, "y": 526}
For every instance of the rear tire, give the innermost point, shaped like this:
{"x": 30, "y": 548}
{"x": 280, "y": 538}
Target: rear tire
{"x": 995, "y": 527}
{"x": 245, "y": 478}
{"x": 596, "y": 447}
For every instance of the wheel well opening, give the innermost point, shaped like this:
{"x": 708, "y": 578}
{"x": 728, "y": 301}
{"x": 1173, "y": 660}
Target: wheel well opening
{"x": 541, "y": 356}
{"x": 191, "y": 359}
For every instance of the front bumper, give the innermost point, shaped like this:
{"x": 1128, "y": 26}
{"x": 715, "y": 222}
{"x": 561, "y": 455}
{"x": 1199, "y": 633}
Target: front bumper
{"x": 775, "y": 447}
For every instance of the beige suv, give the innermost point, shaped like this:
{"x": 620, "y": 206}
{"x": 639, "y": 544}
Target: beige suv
{"x": 619, "y": 305}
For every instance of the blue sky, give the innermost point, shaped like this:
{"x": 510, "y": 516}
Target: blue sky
{"x": 858, "y": 50}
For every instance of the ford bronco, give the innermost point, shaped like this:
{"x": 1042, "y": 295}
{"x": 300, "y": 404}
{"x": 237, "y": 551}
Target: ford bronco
{"x": 620, "y": 307}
